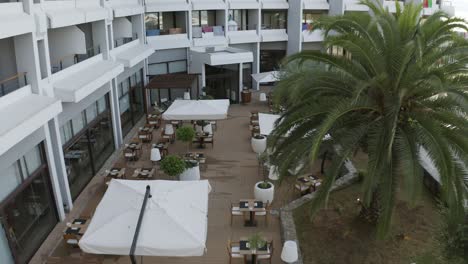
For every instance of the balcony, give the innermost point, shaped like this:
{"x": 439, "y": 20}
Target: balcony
{"x": 269, "y": 35}
{"x": 73, "y": 12}
{"x": 312, "y": 36}
{"x": 77, "y": 82}
{"x": 244, "y": 4}
{"x": 123, "y": 8}
{"x": 13, "y": 83}
{"x": 27, "y": 112}
{"x": 132, "y": 53}
{"x": 14, "y": 21}
{"x": 354, "y": 5}
{"x": 274, "y": 4}
{"x": 170, "y": 41}
{"x": 166, "y": 5}
{"x": 208, "y": 36}
{"x": 72, "y": 59}
{"x": 391, "y": 5}
{"x": 209, "y": 5}
{"x": 166, "y": 30}
{"x": 316, "y": 5}
{"x": 220, "y": 56}
{"x": 242, "y": 33}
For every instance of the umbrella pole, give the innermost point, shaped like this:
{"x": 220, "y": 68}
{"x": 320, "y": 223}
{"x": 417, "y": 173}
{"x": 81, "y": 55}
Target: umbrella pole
{"x": 140, "y": 219}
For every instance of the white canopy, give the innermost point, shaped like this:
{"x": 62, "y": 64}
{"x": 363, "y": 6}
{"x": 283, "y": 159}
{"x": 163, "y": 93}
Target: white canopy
{"x": 266, "y": 77}
{"x": 174, "y": 223}
{"x": 267, "y": 124}
{"x": 197, "y": 110}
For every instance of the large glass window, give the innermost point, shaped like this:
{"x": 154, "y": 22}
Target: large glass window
{"x": 241, "y": 17}
{"x": 274, "y": 19}
{"x": 86, "y": 153}
{"x": 27, "y": 208}
{"x": 200, "y": 17}
{"x": 78, "y": 123}
{"x": 131, "y": 101}
{"x": 163, "y": 23}
{"x": 270, "y": 60}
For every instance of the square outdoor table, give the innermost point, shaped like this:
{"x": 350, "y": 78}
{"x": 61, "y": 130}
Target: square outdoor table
{"x": 251, "y": 206}
{"x": 244, "y": 249}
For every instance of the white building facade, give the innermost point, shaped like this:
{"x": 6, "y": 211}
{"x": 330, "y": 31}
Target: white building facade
{"x": 72, "y": 78}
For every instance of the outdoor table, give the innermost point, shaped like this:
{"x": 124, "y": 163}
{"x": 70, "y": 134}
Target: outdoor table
{"x": 114, "y": 173}
{"x": 195, "y": 156}
{"x": 244, "y": 249}
{"x": 73, "y": 154}
{"x": 77, "y": 227}
{"x": 251, "y": 206}
{"x": 146, "y": 133}
{"x": 309, "y": 180}
{"x": 152, "y": 120}
{"x": 143, "y": 173}
{"x": 134, "y": 146}
{"x": 163, "y": 147}
{"x": 201, "y": 138}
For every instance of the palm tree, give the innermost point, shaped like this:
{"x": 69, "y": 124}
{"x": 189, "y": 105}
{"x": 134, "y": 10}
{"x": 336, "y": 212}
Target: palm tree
{"x": 401, "y": 85}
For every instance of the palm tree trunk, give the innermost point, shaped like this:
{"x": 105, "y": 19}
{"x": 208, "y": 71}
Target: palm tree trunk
{"x": 372, "y": 212}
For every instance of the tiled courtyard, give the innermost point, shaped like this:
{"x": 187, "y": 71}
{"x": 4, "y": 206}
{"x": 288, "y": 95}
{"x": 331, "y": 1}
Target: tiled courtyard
{"x": 232, "y": 171}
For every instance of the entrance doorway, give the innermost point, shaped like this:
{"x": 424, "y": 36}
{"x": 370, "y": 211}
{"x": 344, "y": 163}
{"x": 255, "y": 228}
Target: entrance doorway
{"x": 222, "y": 82}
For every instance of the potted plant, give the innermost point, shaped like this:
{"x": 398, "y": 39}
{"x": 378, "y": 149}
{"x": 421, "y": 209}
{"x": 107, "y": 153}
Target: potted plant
{"x": 185, "y": 134}
{"x": 258, "y": 143}
{"x": 264, "y": 190}
{"x": 256, "y": 241}
{"x": 173, "y": 165}
{"x": 191, "y": 172}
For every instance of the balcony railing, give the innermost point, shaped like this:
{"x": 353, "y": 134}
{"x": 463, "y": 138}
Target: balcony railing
{"x": 207, "y": 31}
{"x": 274, "y": 26}
{"x": 73, "y": 59}
{"x": 241, "y": 27}
{"x": 122, "y": 41}
{"x": 159, "y": 32}
{"x": 13, "y": 83}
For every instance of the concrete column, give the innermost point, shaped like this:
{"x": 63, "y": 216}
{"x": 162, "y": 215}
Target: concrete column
{"x": 294, "y": 44}
{"x": 203, "y": 75}
{"x": 256, "y": 65}
{"x": 57, "y": 169}
{"x": 241, "y": 85}
{"x": 336, "y": 7}
{"x": 115, "y": 114}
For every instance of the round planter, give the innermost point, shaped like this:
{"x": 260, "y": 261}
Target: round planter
{"x": 190, "y": 174}
{"x": 259, "y": 144}
{"x": 264, "y": 195}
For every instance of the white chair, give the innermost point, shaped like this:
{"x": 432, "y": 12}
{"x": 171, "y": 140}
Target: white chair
{"x": 264, "y": 213}
{"x": 233, "y": 249}
{"x": 262, "y": 97}
{"x": 169, "y": 129}
{"x": 208, "y": 129}
{"x": 214, "y": 125}
{"x": 268, "y": 255}
{"x": 198, "y": 129}
{"x": 235, "y": 211}
{"x": 186, "y": 95}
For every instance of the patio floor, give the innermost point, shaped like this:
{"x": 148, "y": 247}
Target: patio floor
{"x": 232, "y": 170}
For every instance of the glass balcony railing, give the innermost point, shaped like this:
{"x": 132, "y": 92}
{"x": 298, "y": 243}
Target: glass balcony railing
{"x": 240, "y": 27}
{"x": 13, "y": 83}
{"x": 122, "y": 41}
{"x": 73, "y": 59}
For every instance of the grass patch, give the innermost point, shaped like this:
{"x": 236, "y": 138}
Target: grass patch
{"x": 337, "y": 236}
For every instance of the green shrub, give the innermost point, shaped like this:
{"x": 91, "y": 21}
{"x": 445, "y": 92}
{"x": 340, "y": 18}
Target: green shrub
{"x": 173, "y": 165}
{"x": 185, "y": 134}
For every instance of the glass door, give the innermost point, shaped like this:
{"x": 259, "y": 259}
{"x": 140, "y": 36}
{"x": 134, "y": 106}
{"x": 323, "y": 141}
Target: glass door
{"x": 222, "y": 82}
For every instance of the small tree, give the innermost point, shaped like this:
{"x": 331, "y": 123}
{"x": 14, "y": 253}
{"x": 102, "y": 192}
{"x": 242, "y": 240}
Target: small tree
{"x": 185, "y": 134}
{"x": 256, "y": 241}
{"x": 173, "y": 165}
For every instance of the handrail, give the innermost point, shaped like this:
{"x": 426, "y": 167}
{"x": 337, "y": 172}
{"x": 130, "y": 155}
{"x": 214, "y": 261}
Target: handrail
{"x": 16, "y": 76}
{"x": 58, "y": 65}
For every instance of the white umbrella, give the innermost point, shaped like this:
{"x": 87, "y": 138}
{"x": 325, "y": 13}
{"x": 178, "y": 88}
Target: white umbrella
{"x": 266, "y": 77}
{"x": 174, "y": 223}
{"x": 197, "y": 110}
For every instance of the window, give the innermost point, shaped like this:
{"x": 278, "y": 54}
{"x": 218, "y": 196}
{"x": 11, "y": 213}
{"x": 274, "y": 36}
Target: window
{"x": 78, "y": 123}
{"x": 11, "y": 178}
{"x": 67, "y": 132}
{"x": 33, "y": 160}
{"x": 200, "y": 18}
{"x": 274, "y": 19}
{"x": 91, "y": 112}
{"x": 241, "y": 16}
{"x": 101, "y": 104}
{"x": 309, "y": 17}
{"x": 153, "y": 21}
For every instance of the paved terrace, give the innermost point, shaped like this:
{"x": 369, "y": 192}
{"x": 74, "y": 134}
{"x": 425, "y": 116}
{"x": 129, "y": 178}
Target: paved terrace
{"x": 232, "y": 170}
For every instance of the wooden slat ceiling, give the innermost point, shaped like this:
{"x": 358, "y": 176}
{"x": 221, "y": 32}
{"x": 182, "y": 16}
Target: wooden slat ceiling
{"x": 172, "y": 81}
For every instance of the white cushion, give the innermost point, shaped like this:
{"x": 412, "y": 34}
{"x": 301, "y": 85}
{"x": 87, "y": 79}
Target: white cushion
{"x": 236, "y": 255}
{"x": 72, "y": 241}
{"x": 234, "y": 212}
{"x": 260, "y": 213}
{"x": 235, "y": 249}
{"x": 301, "y": 187}
{"x": 264, "y": 256}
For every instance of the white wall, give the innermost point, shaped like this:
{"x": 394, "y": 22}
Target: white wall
{"x": 27, "y": 59}
{"x": 168, "y": 55}
{"x": 122, "y": 28}
{"x": 64, "y": 42}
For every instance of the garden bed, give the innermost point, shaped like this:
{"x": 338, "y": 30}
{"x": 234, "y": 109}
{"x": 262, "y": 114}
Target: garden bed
{"x": 336, "y": 235}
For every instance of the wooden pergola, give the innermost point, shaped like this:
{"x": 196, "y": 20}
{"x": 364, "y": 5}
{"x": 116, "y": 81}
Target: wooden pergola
{"x": 173, "y": 81}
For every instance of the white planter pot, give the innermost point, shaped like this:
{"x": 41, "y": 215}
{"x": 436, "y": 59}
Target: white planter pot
{"x": 190, "y": 174}
{"x": 259, "y": 144}
{"x": 264, "y": 195}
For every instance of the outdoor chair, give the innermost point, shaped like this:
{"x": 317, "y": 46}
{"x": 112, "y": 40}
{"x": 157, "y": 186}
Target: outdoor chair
{"x": 71, "y": 240}
{"x": 264, "y": 213}
{"x": 130, "y": 155}
{"x": 266, "y": 256}
{"x": 235, "y": 211}
{"x": 233, "y": 249}
{"x": 209, "y": 140}
{"x": 214, "y": 125}
{"x": 301, "y": 188}
{"x": 167, "y": 137}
